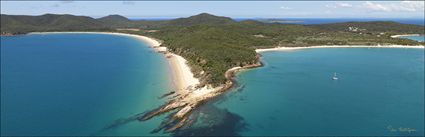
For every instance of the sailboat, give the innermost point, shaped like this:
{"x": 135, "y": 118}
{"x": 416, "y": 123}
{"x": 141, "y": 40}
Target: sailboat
{"x": 334, "y": 77}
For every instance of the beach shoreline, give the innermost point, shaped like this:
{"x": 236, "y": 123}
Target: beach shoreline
{"x": 404, "y": 35}
{"x": 181, "y": 74}
{"x": 188, "y": 95}
{"x": 336, "y": 46}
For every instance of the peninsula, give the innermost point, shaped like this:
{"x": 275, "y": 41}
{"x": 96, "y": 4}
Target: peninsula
{"x": 206, "y": 50}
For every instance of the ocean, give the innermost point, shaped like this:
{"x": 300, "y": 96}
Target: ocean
{"x": 95, "y": 84}
{"x": 379, "y": 92}
{"x": 79, "y": 84}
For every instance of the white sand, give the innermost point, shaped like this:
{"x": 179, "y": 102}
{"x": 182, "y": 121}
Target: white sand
{"x": 182, "y": 74}
{"x": 183, "y": 77}
{"x": 185, "y": 81}
{"x": 336, "y": 46}
{"x": 152, "y": 42}
{"x": 234, "y": 68}
{"x": 396, "y": 36}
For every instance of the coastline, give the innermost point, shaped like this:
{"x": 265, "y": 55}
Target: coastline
{"x": 182, "y": 76}
{"x": 403, "y": 35}
{"x": 151, "y": 42}
{"x": 188, "y": 94}
{"x": 336, "y": 46}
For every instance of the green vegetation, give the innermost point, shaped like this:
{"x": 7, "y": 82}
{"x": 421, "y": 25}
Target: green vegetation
{"x": 201, "y": 19}
{"x": 117, "y": 21}
{"x": 49, "y": 22}
{"x": 214, "y": 44}
{"x": 210, "y": 48}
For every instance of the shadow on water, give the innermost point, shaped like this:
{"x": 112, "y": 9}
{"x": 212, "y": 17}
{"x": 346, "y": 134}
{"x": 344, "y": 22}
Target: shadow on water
{"x": 213, "y": 121}
{"x": 240, "y": 88}
{"x": 120, "y": 122}
{"x": 205, "y": 120}
{"x": 230, "y": 94}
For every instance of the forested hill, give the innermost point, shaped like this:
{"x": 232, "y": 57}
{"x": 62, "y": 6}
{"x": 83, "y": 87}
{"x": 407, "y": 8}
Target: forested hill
{"x": 62, "y": 22}
{"x": 49, "y": 22}
{"x": 214, "y": 44}
{"x": 115, "y": 21}
{"x": 201, "y": 19}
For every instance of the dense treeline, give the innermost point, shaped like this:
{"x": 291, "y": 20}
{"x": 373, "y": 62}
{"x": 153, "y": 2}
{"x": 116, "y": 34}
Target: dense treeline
{"x": 217, "y": 48}
{"x": 210, "y": 49}
{"x": 49, "y": 22}
{"x": 213, "y": 44}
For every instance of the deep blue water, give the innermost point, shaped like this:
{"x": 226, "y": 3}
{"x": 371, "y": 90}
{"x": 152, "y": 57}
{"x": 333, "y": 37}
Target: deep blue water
{"x": 308, "y": 21}
{"x": 79, "y": 84}
{"x": 379, "y": 90}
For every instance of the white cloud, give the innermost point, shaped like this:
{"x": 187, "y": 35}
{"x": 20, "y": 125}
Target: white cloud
{"x": 128, "y": 2}
{"x": 339, "y": 5}
{"x": 285, "y": 8}
{"x": 376, "y": 6}
{"x": 413, "y": 5}
{"x": 331, "y": 6}
{"x": 345, "y": 5}
{"x": 328, "y": 12}
{"x": 404, "y": 6}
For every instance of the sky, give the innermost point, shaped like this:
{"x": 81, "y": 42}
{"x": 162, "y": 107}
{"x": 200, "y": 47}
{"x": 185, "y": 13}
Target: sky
{"x": 234, "y": 9}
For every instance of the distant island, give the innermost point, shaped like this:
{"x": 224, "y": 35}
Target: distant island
{"x": 215, "y": 47}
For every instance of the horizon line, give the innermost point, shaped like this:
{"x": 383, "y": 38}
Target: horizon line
{"x": 185, "y": 16}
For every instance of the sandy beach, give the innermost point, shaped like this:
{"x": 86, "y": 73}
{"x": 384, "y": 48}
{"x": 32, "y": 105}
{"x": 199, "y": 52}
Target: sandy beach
{"x": 396, "y": 36}
{"x": 335, "y": 46}
{"x": 151, "y": 42}
{"x": 187, "y": 95}
{"x": 182, "y": 77}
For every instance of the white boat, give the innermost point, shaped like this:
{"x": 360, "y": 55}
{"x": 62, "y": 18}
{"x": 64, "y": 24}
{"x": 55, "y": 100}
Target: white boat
{"x": 334, "y": 77}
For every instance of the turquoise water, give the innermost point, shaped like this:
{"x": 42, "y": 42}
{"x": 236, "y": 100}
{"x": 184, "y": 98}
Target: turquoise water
{"x": 417, "y": 38}
{"x": 93, "y": 84}
{"x": 79, "y": 84}
{"x": 379, "y": 90}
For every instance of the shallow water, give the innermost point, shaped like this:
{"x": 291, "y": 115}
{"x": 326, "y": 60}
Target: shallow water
{"x": 79, "y": 84}
{"x": 380, "y": 91}
{"x": 93, "y": 84}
